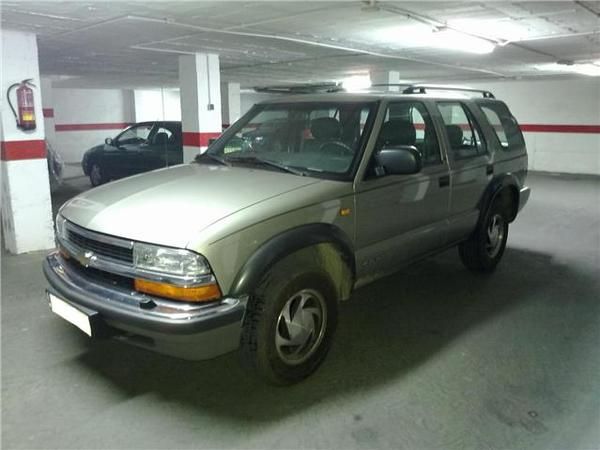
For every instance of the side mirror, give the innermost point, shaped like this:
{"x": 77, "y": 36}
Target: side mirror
{"x": 400, "y": 160}
{"x": 109, "y": 141}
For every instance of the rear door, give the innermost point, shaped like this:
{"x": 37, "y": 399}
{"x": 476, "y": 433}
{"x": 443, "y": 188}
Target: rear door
{"x": 470, "y": 162}
{"x": 400, "y": 217}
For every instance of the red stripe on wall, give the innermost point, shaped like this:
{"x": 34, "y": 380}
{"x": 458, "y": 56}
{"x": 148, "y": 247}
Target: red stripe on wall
{"x": 48, "y": 112}
{"x": 18, "y": 150}
{"x": 195, "y": 139}
{"x": 544, "y": 128}
{"x": 91, "y": 126}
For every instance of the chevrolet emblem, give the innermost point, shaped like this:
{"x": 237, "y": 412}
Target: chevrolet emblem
{"x": 85, "y": 258}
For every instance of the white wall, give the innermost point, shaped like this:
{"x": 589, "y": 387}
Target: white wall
{"x": 250, "y": 98}
{"x": 573, "y": 101}
{"x": 85, "y": 117}
{"x": 157, "y": 104}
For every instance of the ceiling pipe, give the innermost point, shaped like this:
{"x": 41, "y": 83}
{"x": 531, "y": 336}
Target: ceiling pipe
{"x": 587, "y": 8}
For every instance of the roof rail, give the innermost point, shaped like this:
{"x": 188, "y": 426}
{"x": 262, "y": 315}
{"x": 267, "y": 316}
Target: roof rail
{"x": 423, "y": 88}
{"x": 300, "y": 88}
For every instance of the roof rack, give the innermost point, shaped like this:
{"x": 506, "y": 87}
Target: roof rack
{"x": 300, "y": 88}
{"x": 423, "y": 88}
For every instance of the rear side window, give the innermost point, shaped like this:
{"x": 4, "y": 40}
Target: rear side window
{"x": 464, "y": 134}
{"x": 504, "y": 125}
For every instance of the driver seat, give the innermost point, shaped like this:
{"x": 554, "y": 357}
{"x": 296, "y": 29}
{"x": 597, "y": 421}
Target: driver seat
{"x": 324, "y": 130}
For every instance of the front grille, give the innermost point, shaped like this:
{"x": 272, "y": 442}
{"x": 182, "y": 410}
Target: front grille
{"x": 100, "y": 248}
{"x": 100, "y": 276}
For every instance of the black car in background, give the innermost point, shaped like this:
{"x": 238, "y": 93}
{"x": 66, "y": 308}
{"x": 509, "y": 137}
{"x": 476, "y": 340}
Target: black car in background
{"x": 139, "y": 148}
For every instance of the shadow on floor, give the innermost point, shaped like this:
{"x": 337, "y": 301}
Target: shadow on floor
{"x": 385, "y": 331}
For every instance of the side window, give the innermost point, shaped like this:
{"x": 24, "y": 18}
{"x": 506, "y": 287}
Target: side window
{"x": 135, "y": 135}
{"x": 409, "y": 123}
{"x": 504, "y": 125}
{"x": 464, "y": 134}
{"x": 163, "y": 136}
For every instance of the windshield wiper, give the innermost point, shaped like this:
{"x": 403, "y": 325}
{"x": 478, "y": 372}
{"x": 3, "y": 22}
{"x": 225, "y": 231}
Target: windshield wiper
{"x": 206, "y": 155}
{"x": 265, "y": 162}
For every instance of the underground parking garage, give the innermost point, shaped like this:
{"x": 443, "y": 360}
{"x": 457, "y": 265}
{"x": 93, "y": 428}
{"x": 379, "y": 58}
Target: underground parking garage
{"x": 300, "y": 225}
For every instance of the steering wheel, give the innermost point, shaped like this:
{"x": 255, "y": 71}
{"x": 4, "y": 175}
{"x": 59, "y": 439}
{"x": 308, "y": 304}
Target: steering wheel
{"x": 336, "y": 148}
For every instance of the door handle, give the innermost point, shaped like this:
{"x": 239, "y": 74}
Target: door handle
{"x": 444, "y": 181}
{"x": 489, "y": 170}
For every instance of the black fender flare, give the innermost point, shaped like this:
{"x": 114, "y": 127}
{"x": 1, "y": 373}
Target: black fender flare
{"x": 285, "y": 244}
{"x": 497, "y": 185}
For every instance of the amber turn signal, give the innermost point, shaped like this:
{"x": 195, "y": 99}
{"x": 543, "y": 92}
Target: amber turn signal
{"x": 203, "y": 293}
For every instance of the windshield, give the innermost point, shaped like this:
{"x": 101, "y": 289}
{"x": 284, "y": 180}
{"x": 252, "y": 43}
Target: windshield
{"x": 317, "y": 139}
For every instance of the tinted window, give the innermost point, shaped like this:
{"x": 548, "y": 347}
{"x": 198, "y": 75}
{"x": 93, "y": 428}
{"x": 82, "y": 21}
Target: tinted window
{"x": 409, "y": 123}
{"x": 136, "y": 134}
{"x": 163, "y": 136}
{"x": 464, "y": 135}
{"x": 504, "y": 124}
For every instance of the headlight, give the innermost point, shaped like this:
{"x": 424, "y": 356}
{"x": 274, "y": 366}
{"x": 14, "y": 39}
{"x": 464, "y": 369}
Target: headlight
{"x": 170, "y": 261}
{"x": 61, "y": 230}
{"x": 185, "y": 275}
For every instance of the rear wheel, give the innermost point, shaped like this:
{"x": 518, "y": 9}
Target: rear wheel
{"x": 289, "y": 324}
{"x": 484, "y": 249}
{"x": 97, "y": 175}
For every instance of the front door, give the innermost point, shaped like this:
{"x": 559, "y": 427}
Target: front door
{"x": 401, "y": 217}
{"x": 125, "y": 159}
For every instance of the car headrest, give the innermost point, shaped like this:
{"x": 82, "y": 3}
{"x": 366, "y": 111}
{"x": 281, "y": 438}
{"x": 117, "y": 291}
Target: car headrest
{"x": 455, "y": 135}
{"x": 161, "y": 138}
{"x": 325, "y": 128}
{"x": 397, "y": 132}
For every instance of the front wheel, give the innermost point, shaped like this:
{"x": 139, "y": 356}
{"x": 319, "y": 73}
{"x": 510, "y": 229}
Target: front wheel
{"x": 484, "y": 249}
{"x": 289, "y": 325}
{"x": 97, "y": 175}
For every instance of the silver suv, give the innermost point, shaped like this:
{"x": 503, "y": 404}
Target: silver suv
{"x": 305, "y": 198}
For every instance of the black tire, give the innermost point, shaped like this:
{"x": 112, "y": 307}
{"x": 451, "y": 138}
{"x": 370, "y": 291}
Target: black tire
{"x": 97, "y": 174}
{"x": 265, "y": 323}
{"x": 481, "y": 253}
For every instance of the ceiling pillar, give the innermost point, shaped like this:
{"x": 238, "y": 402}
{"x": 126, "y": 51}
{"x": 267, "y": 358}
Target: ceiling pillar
{"x": 386, "y": 77}
{"x": 26, "y": 207}
{"x": 230, "y": 95}
{"x": 200, "y": 87}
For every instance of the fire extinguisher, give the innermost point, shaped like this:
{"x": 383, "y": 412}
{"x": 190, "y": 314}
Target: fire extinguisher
{"x": 25, "y": 104}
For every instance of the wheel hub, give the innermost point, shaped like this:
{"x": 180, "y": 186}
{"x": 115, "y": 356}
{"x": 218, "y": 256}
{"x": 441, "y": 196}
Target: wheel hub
{"x": 96, "y": 176}
{"x": 495, "y": 235}
{"x": 300, "y": 326}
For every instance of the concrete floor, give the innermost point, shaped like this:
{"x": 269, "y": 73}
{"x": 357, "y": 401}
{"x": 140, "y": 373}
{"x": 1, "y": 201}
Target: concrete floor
{"x": 434, "y": 357}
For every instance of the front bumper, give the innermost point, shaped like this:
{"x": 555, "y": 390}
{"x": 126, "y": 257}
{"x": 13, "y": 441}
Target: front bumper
{"x": 184, "y": 330}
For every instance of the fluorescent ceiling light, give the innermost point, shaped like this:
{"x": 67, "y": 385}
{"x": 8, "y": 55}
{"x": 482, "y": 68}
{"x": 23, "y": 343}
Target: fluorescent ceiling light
{"x": 419, "y": 36}
{"x": 454, "y": 40}
{"x": 590, "y": 69}
{"x": 506, "y": 30}
{"x": 356, "y": 83}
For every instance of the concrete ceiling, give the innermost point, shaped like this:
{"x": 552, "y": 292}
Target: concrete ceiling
{"x": 135, "y": 44}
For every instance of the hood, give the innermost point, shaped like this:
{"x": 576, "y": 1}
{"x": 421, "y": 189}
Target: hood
{"x": 168, "y": 206}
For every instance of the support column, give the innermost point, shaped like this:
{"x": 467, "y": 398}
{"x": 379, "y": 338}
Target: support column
{"x": 26, "y": 207}
{"x": 48, "y": 111}
{"x": 200, "y": 84}
{"x": 386, "y": 77}
{"x": 230, "y": 95}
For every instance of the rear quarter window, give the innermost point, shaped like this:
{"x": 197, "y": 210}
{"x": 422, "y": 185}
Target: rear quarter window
{"x": 505, "y": 126}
